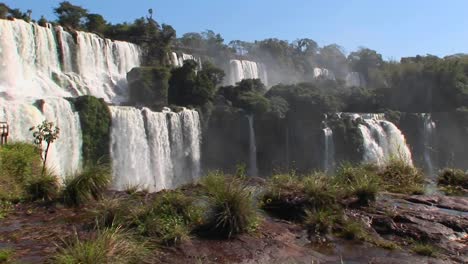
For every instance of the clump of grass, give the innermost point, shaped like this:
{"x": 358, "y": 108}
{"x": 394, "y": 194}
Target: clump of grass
{"x": 320, "y": 192}
{"x": 400, "y": 177}
{"x": 44, "y": 187}
{"x": 107, "y": 246}
{"x": 352, "y": 230}
{"x": 453, "y": 177}
{"x": 5, "y": 208}
{"x": 231, "y": 207}
{"x": 171, "y": 218}
{"x": 87, "y": 185}
{"x": 360, "y": 181}
{"x": 111, "y": 212}
{"x": 6, "y": 255}
{"x": 322, "y": 221}
{"x": 424, "y": 249}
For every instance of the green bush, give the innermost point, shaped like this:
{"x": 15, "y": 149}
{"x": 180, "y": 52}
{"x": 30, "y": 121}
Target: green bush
{"x": 44, "y": 187}
{"x": 6, "y": 255}
{"x": 231, "y": 207}
{"x": 106, "y": 246}
{"x": 95, "y": 120}
{"x": 171, "y": 217}
{"x": 322, "y": 221}
{"x": 453, "y": 177}
{"x": 424, "y": 249}
{"x": 87, "y": 185}
{"x": 360, "y": 181}
{"x": 400, "y": 177}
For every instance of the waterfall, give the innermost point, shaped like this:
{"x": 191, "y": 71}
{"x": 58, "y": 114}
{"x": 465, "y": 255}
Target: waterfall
{"x": 64, "y": 156}
{"x": 39, "y": 62}
{"x": 253, "y": 170}
{"x": 428, "y": 126}
{"x": 382, "y": 140}
{"x": 243, "y": 69}
{"x": 154, "y": 150}
{"x": 178, "y": 61}
{"x": 355, "y": 79}
{"x": 329, "y": 152}
{"x": 322, "y": 73}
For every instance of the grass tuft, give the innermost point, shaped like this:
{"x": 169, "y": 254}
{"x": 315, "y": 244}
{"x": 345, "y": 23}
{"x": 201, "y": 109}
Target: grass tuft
{"x": 87, "y": 185}
{"x": 453, "y": 177}
{"x": 400, "y": 177}
{"x": 231, "y": 207}
{"x": 106, "y": 246}
{"x": 424, "y": 249}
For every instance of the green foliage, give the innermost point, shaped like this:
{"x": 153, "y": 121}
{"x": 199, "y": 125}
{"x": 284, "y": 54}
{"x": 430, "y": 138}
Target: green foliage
{"x": 231, "y": 208}
{"x": 6, "y": 255}
{"x": 322, "y": 221}
{"x": 46, "y": 131}
{"x": 360, "y": 181}
{"x": 189, "y": 87}
{"x": 70, "y": 15}
{"x": 352, "y": 230}
{"x": 5, "y": 208}
{"x": 400, "y": 177}
{"x": 44, "y": 187}
{"x": 106, "y": 246}
{"x": 453, "y": 177}
{"x": 20, "y": 163}
{"x": 171, "y": 217}
{"x": 87, "y": 185}
{"x": 95, "y": 23}
{"x": 248, "y": 95}
{"x": 149, "y": 86}
{"x": 320, "y": 191}
{"x": 424, "y": 249}
{"x": 95, "y": 120}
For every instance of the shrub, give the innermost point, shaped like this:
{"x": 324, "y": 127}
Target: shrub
{"x": 5, "y": 208}
{"x": 106, "y": 246}
{"x": 44, "y": 187}
{"x": 322, "y": 221}
{"x": 424, "y": 249}
{"x": 400, "y": 177}
{"x": 6, "y": 255}
{"x": 231, "y": 208}
{"x": 453, "y": 177}
{"x": 171, "y": 217}
{"x": 320, "y": 191}
{"x": 352, "y": 230}
{"x": 111, "y": 212}
{"x": 360, "y": 181}
{"x": 87, "y": 185}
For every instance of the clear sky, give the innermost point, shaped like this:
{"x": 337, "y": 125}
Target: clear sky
{"x": 395, "y": 28}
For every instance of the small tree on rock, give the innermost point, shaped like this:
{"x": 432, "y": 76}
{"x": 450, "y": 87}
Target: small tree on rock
{"x": 46, "y": 131}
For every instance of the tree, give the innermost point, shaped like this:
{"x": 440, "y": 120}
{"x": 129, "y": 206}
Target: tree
{"x": 70, "y": 15}
{"x": 4, "y": 10}
{"x": 366, "y": 62}
{"x": 46, "y": 131}
{"x": 42, "y": 22}
{"x": 95, "y": 23}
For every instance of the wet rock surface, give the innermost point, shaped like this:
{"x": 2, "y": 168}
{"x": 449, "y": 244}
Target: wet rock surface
{"x": 33, "y": 232}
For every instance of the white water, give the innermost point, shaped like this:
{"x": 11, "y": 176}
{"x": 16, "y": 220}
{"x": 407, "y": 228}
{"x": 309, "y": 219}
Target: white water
{"x": 382, "y": 140}
{"x": 253, "y": 169}
{"x": 429, "y": 128}
{"x": 355, "y": 79}
{"x": 242, "y": 69}
{"x": 178, "y": 60}
{"x": 322, "y": 73}
{"x": 329, "y": 152}
{"x": 64, "y": 156}
{"x": 30, "y": 64}
{"x": 154, "y": 150}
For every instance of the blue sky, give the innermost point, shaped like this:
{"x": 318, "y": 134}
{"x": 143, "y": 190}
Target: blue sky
{"x": 395, "y": 28}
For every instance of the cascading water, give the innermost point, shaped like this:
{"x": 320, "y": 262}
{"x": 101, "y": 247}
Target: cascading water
{"x": 253, "y": 169}
{"x": 329, "y": 151}
{"x": 429, "y": 127}
{"x": 243, "y": 69}
{"x": 322, "y": 73}
{"x": 382, "y": 140}
{"x": 48, "y": 64}
{"x": 41, "y": 62}
{"x": 154, "y": 150}
{"x": 178, "y": 61}
{"x": 64, "y": 156}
